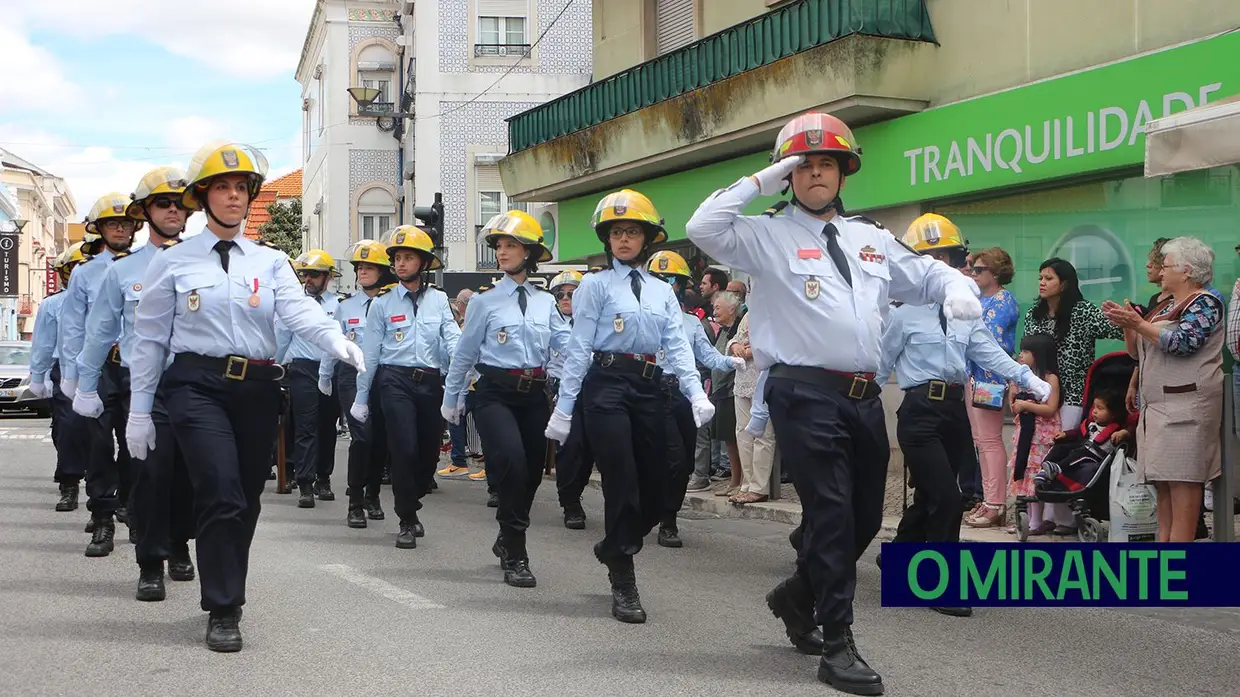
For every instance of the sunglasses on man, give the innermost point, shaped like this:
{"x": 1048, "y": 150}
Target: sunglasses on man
{"x": 561, "y": 294}
{"x": 163, "y": 203}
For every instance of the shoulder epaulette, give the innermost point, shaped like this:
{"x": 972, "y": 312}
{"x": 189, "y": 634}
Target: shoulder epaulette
{"x": 775, "y": 209}
{"x": 170, "y": 243}
{"x": 345, "y": 296}
{"x": 870, "y": 221}
{"x": 120, "y": 255}
{"x": 264, "y": 243}
{"x": 385, "y": 289}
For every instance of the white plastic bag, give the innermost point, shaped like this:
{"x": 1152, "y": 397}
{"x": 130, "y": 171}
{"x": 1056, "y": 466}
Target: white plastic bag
{"x": 1134, "y": 514}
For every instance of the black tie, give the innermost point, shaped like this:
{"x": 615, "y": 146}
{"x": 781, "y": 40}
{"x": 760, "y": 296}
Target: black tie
{"x": 837, "y": 254}
{"x": 222, "y": 248}
{"x": 318, "y": 299}
{"x": 942, "y": 319}
{"x": 635, "y": 282}
{"x": 521, "y": 298}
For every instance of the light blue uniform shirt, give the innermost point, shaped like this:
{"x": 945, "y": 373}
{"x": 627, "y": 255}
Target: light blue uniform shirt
{"x": 555, "y": 364}
{"x": 497, "y": 334}
{"x": 110, "y": 320}
{"x": 290, "y": 347}
{"x": 43, "y": 345}
{"x": 916, "y": 347}
{"x": 608, "y": 318}
{"x": 83, "y": 289}
{"x": 350, "y": 314}
{"x": 190, "y": 305}
{"x": 397, "y": 335}
{"x": 704, "y": 351}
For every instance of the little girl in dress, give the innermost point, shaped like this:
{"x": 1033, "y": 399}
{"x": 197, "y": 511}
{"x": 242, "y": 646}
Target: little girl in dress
{"x": 1036, "y": 427}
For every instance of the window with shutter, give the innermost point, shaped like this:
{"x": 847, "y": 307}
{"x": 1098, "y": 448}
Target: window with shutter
{"x": 674, "y": 25}
{"x": 501, "y": 28}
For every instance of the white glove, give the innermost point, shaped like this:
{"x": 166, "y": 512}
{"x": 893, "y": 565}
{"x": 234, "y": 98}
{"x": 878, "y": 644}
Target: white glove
{"x": 451, "y": 414}
{"x": 140, "y": 434}
{"x": 88, "y": 404}
{"x": 325, "y": 386}
{"x": 361, "y": 412}
{"x": 558, "y": 426}
{"x": 1039, "y": 387}
{"x": 40, "y": 389}
{"x": 703, "y": 410}
{"x": 737, "y": 362}
{"x": 961, "y": 305}
{"x": 68, "y": 387}
{"x": 772, "y": 180}
{"x": 351, "y": 353}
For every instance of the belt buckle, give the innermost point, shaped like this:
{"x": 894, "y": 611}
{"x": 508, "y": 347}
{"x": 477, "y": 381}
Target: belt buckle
{"x": 648, "y": 370}
{"x": 418, "y": 374}
{"x": 231, "y": 373}
{"x": 938, "y": 390}
{"x": 857, "y": 389}
{"x": 608, "y": 359}
{"x": 524, "y": 382}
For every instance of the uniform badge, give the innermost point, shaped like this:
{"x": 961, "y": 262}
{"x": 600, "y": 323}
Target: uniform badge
{"x": 620, "y": 208}
{"x": 118, "y": 208}
{"x": 365, "y": 252}
{"x": 399, "y": 238}
{"x": 502, "y": 336}
{"x": 870, "y": 254}
{"x": 812, "y": 287}
{"x": 230, "y": 159}
{"x": 661, "y": 354}
{"x": 353, "y": 335}
{"x": 399, "y": 335}
{"x": 813, "y": 138}
{"x": 618, "y": 324}
{"x": 254, "y": 299}
{"x": 663, "y": 263}
{"x": 137, "y": 287}
{"x": 193, "y": 302}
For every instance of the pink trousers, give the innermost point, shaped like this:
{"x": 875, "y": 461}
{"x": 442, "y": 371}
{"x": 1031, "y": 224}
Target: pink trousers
{"x": 992, "y": 455}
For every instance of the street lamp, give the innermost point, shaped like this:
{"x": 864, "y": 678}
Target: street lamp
{"x": 19, "y": 224}
{"x": 388, "y": 117}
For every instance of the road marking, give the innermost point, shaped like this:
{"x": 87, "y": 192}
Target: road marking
{"x": 26, "y": 436}
{"x": 380, "y": 587}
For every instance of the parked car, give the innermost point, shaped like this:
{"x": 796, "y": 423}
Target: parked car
{"x": 15, "y": 394}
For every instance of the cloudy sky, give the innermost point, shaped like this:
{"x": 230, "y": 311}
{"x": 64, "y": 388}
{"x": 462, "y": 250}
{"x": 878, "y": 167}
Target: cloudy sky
{"x": 100, "y": 91}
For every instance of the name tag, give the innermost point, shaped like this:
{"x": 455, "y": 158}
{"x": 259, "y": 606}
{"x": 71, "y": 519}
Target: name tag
{"x": 398, "y": 318}
{"x": 809, "y": 253}
{"x": 355, "y": 320}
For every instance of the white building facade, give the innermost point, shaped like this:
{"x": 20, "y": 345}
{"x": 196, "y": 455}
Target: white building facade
{"x": 43, "y": 200}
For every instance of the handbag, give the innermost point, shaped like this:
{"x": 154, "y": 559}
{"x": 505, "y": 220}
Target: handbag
{"x": 989, "y": 395}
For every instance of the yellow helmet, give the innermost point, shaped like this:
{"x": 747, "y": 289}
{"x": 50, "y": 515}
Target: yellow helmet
{"x": 316, "y": 260}
{"x": 486, "y": 229}
{"x": 368, "y": 252}
{"x": 668, "y": 263}
{"x": 627, "y": 204}
{"x": 565, "y": 278}
{"x": 161, "y": 180}
{"x": 110, "y": 206}
{"x": 933, "y": 231}
{"x": 415, "y": 238}
{"x": 220, "y": 158}
{"x": 522, "y": 227}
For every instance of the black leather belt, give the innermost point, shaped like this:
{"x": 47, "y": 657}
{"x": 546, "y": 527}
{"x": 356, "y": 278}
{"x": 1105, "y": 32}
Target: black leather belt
{"x": 859, "y": 386}
{"x": 114, "y": 356}
{"x": 418, "y": 374}
{"x": 627, "y": 363}
{"x": 671, "y": 382}
{"x": 940, "y": 391}
{"x": 234, "y": 367}
{"x": 521, "y": 380}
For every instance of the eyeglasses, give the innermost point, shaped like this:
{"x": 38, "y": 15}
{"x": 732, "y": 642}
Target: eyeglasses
{"x": 630, "y": 233}
{"x": 113, "y": 225}
{"x": 166, "y": 202}
{"x": 979, "y": 269}
{"x": 561, "y": 294}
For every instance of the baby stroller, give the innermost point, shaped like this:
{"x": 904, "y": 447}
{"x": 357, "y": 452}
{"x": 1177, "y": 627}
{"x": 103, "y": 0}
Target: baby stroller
{"x": 1087, "y": 494}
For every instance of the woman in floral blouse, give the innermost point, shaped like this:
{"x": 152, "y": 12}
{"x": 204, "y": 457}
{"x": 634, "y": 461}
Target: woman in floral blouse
{"x": 992, "y": 270}
{"x": 1076, "y": 324}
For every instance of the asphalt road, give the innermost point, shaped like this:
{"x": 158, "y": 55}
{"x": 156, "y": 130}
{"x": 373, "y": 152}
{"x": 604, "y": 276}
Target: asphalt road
{"x": 335, "y": 611}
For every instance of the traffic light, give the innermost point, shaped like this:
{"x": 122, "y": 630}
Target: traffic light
{"x": 431, "y": 218}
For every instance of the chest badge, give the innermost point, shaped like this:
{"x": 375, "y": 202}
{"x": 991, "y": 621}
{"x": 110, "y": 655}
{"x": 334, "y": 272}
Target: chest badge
{"x": 502, "y": 336}
{"x": 193, "y": 302}
{"x": 254, "y": 299}
{"x": 399, "y": 335}
{"x": 812, "y": 288}
{"x": 870, "y": 254}
{"x": 661, "y": 354}
{"x": 353, "y": 335}
{"x": 618, "y": 324}
{"x": 137, "y": 287}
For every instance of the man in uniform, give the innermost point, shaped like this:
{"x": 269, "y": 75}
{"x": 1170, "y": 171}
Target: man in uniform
{"x": 821, "y": 288}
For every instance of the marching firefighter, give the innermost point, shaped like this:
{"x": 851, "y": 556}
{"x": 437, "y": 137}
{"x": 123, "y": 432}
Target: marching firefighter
{"x": 367, "y": 440}
{"x": 929, "y": 354}
{"x": 622, "y": 317}
{"x": 161, "y": 503}
{"x": 821, "y": 287}
{"x": 69, "y": 434}
{"x": 573, "y": 460}
{"x": 410, "y": 333}
{"x": 508, "y": 334}
{"x": 108, "y": 466}
{"x": 315, "y": 412}
{"x": 210, "y": 303}
{"x": 672, "y": 268}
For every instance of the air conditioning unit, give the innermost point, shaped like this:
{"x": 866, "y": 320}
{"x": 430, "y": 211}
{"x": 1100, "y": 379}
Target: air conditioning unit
{"x": 548, "y": 216}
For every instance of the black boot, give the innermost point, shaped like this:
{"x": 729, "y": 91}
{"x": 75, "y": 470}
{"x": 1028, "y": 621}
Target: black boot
{"x": 101, "y": 543}
{"x": 323, "y": 489}
{"x": 68, "y": 498}
{"x": 180, "y": 568}
{"x": 842, "y": 667}
{"x": 792, "y": 602}
{"x": 374, "y": 510}
{"x": 90, "y": 525}
{"x": 574, "y": 516}
{"x": 357, "y": 516}
{"x": 492, "y": 500}
{"x": 498, "y": 550}
{"x": 122, "y": 515}
{"x": 407, "y": 538}
{"x": 224, "y": 630}
{"x": 306, "y": 500}
{"x": 669, "y": 534}
{"x": 151, "y": 583}
{"x": 518, "y": 575}
{"x": 626, "y": 604}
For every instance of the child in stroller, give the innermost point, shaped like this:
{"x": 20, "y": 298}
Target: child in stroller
{"x": 1076, "y": 457}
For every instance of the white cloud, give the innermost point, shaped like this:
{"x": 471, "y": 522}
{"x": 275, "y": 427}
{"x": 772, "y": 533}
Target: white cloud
{"x": 33, "y": 79}
{"x": 244, "y": 38}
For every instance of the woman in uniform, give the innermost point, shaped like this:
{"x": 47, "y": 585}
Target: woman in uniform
{"x": 622, "y": 317}
{"x": 211, "y": 302}
{"x": 507, "y": 338}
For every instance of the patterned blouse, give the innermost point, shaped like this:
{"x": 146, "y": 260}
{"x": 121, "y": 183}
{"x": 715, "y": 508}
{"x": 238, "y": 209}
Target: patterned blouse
{"x": 1000, "y": 313}
{"x": 1202, "y": 317}
{"x": 1075, "y": 351}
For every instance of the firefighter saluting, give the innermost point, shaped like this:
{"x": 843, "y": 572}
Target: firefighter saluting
{"x": 822, "y": 283}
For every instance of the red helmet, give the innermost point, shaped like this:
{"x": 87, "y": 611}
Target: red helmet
{"x": 816, "y": 132}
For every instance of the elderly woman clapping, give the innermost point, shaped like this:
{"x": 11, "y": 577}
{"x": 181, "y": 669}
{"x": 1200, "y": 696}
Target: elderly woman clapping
{"x": 1178, "y": 346}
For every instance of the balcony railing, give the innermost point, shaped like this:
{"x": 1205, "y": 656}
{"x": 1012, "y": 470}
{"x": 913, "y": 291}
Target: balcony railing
{"x": 770, "y": 37}
{"x": 376, "y": 109}
{"x": 481, "y": 50}
{"x": 486, "y": 255}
